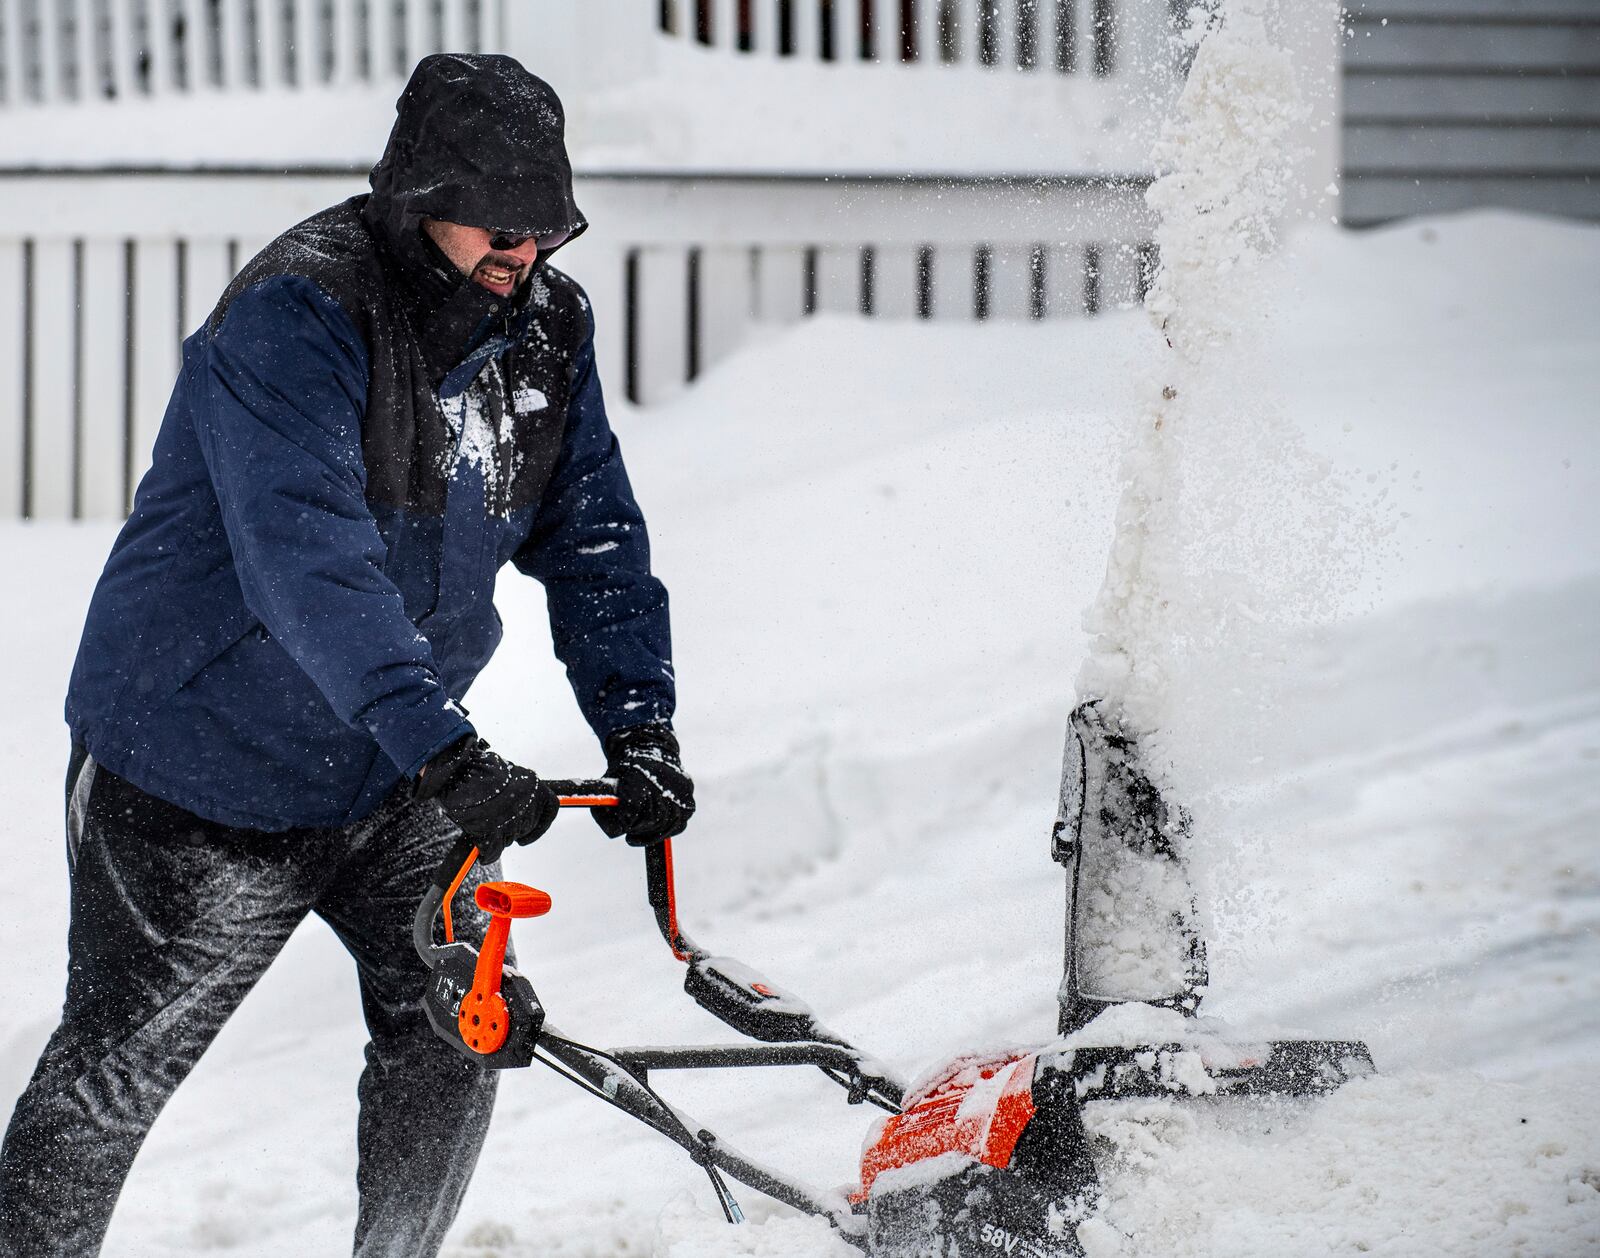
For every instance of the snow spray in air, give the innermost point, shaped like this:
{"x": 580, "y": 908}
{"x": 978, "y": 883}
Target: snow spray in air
{"x": 1226, "y": 159}
{"x": 1231, "y": 532}
{"x": 1228, "y": 529}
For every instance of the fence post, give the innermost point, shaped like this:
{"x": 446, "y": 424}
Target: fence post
{"x": 11, "y": 377}
{"x": 348, "y": 36}
{"x": 15, "y": 62}
{"x": 83, "y": 55}
{"x": 52, "y": 82}
{"x": 894, "y": 293}
{"x": 807, "y": 18}
{"x": 1085, "y": 35}
{"x": 780, "y": 283}
{"x": 155, "y": 341}
{"x": 121, "y": 57}
{"x": 839, "y": 279}
{"x": 1063, "y": 282}
{"x": 1011, "y": 282}
{"x": 597, "y": 262}
{"x": 726, "y": 301}
{"x": 661, "y": 350}
{"x": 456, "y": 37}
{"x": 725, "y": 25}
{"x": 492, "y": 25}
{"x": 419, "y": 30}
{"x": 1119, "y": 276}
{"x": 271, "y": 44}
{"x": 951, "y": 280}
{"x": 205, "y": 275}
{"x": 304, "y": 46}
{"x": 159, "y": 39}
{"x": 233, "y": 40}
{"x": 1005, "y": 21}
{"x": 51, "y": 465}
{"x": 383, "y": 42}
{"x": 102, "y": 399}
{"x": 195, "y": 47}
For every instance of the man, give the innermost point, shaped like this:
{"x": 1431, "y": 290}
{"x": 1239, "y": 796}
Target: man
{"x": 397, "y": 397}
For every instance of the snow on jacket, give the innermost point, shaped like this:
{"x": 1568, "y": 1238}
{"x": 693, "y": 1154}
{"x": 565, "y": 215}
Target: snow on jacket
{"x": 359, "y": 439}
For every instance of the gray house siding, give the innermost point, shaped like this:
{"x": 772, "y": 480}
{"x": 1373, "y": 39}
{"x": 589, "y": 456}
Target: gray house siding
{"x": 1450, "y": 104}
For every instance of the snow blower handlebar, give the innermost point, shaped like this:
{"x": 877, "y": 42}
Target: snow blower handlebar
{"x": 570, "y": 793}
{"x": 734, "y": 993}
{"x": 489, "y": 1012}
{"x": 463, "y": 855}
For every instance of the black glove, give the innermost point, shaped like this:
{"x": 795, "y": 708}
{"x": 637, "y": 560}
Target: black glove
{"x": 655, "y": 797}
{"x": 495, "y": 802}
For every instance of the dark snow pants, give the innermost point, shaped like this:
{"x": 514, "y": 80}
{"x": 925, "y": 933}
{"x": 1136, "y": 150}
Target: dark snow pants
{"x": 173, "y": 921}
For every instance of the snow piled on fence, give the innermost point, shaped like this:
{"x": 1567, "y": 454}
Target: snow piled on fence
{"x": 880, "y": 539}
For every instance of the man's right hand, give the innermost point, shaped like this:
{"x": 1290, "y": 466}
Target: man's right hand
{"x": 496, "y": 803}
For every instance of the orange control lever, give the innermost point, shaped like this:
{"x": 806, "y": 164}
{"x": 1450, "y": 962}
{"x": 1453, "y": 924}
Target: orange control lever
{"x": 483, "y": 1019}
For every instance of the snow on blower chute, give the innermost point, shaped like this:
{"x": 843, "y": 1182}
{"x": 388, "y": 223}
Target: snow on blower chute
{"x": 989, "y": 1154}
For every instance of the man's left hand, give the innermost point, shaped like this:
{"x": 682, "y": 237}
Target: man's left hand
{"x": 655, "y": 797}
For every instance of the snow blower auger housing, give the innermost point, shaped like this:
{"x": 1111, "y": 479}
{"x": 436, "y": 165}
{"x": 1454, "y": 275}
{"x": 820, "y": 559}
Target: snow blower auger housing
{"x": 990, "y": 1154}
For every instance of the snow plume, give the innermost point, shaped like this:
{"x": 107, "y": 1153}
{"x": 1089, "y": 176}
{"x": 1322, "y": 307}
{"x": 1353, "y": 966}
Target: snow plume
{"x": 1230, "y": 531}
{"x": 1229, "y": 528}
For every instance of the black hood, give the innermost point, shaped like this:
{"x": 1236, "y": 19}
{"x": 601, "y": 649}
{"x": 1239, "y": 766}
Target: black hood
{"x": 477, "y": 141}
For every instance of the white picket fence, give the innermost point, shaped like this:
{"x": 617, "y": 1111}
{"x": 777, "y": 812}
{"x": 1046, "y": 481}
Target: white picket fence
{"x": 679, "y": 270}
{"x": 69, "y": 51}
{"x": 73, "y": 51}
{"x": 1063, "y": 36}
{"x": 682, "y": 262}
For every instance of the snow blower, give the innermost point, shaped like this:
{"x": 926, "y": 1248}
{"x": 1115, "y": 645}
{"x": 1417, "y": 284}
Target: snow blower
{"x": 989, "y": 1154}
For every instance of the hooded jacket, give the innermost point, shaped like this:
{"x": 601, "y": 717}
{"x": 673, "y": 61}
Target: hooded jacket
{"x": 359, "y": 439}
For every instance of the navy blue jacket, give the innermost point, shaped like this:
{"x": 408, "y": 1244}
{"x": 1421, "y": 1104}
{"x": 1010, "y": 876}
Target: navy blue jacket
{"x": 357, "y": 443}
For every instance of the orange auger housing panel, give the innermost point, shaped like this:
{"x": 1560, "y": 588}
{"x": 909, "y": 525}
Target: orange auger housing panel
{"x": 976, "y": 1108}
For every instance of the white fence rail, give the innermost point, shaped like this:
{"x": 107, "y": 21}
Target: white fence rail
{"x": 70, "y": 51}
{"x": 679, "y": 271}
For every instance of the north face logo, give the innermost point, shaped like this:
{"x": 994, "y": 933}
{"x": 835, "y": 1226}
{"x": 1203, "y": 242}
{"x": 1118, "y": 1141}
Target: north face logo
{"x": 529, "y": 399}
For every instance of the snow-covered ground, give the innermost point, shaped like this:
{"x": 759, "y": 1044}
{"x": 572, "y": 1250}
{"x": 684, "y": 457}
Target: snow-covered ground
{"x": 880, "y": 539}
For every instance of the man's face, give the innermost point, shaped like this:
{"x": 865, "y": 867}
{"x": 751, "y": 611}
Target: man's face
{"x": 498, "y": 270}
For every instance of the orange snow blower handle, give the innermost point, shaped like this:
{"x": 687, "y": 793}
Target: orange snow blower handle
{"x": 570, "y": 793}
{"x": 484, "y": 1019}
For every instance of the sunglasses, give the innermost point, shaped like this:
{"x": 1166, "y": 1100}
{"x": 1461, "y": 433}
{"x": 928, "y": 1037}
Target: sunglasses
{"x": 504, "y": 242}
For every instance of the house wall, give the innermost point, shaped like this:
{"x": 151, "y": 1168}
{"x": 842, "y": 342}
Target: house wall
{"x": 1451, "y": 104}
